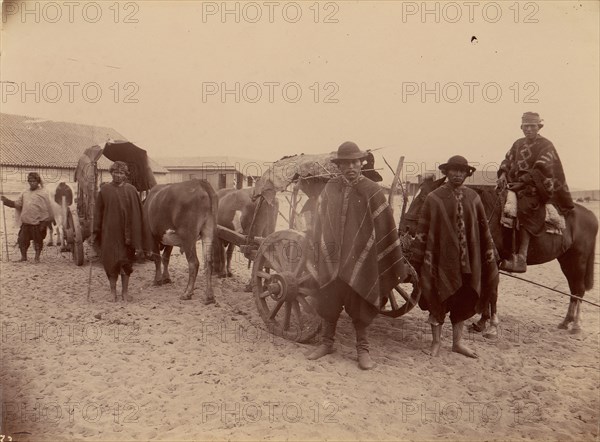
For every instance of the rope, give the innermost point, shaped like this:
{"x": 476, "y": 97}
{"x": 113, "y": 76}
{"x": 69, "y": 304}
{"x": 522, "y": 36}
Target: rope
{"x": 549, "y": 288}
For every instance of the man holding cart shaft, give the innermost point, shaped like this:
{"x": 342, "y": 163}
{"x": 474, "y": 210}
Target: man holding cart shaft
{"x": 118, "y": 228}
{"x": 359, "y": 258}
{"x": 36, "y": 215}
{"x": 454, "y": 255}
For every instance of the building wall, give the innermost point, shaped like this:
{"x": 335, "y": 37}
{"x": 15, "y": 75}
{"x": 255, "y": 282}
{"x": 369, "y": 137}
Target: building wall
{"x": 218, "y": 179}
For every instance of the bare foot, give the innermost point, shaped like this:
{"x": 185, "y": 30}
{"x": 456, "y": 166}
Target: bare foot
{"x": 460, "y": 348}
{"x": 434, "y": 351}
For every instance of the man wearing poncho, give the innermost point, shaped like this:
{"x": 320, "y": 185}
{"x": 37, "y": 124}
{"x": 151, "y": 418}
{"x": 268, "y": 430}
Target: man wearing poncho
{"x": 359, "y": 259}
{"x": 454, "y": 255}
{"x": 119, "y": 228}
{"x": 533, "y": 170}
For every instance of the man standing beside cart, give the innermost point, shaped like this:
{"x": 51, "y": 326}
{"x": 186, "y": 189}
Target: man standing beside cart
{"x": 118, "y": 228}
{"x": 359, "y": 258}
{"x": 454, "y": 255}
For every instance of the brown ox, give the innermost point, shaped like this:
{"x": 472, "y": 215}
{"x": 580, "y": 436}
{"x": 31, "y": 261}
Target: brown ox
{"x": 232, "y": 201}
{"x": 179, "y": 215}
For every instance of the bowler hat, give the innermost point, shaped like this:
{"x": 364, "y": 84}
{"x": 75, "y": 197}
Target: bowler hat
{"x": 457, "y": 162}
{"x": 349, "y": 151}
{"x": 532, "y": 118}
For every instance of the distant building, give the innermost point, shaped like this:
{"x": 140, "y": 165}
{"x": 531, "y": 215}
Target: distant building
{"x": 51, "y": 148}
{"x": 593, "y": 195}
{"x": 479, "y": 178}
{"x": 221, "y": 172}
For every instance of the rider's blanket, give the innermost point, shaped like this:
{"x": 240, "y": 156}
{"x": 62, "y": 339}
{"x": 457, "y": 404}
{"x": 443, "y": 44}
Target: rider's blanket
{"x": 555, "y": 222}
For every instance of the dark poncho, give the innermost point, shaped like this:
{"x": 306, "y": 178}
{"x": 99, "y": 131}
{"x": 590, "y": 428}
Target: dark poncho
{"x": 117, "y": 221}
{"x": 436, "y": 255}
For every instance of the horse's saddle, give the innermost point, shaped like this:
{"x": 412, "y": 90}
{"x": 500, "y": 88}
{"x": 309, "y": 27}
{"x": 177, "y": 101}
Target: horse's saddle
{"x": 555, "y": 222}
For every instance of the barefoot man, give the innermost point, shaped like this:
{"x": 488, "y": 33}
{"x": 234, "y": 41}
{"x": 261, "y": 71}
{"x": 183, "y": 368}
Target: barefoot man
{"x": 118, "y": 228}
{"x": 454, "y": 255}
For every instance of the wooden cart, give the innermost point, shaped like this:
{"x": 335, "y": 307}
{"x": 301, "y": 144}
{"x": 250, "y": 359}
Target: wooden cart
{"x": 284, "y": 274}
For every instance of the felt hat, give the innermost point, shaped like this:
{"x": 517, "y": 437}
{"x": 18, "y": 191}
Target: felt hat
{"x": 532, "y": 118}
{"x": 349, "y": 151}
{"x": 457, "y": 162}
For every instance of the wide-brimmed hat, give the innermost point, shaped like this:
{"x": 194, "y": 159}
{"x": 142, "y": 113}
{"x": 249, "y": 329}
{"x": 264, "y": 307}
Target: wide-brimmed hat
{"x": 457, "y": 162}
{"x": 532, "y": 118}
{"x": 349, "y": 151}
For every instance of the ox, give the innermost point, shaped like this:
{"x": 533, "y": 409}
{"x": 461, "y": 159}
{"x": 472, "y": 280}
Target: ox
{"x": 232, "y": 201}
{"x": 179, "y": 215}
{"x": 62, "y": 190}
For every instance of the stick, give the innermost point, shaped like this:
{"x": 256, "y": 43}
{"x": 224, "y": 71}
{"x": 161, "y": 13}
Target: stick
{"x": 5, "y": 233}
{"x": 549, "y": 288}
{"x": 93, "y": 209}
{"x": 395, "y": 182}
{"x": 4, "y": 219}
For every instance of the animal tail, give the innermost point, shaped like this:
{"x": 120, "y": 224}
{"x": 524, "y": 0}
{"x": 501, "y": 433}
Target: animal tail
{"x": 589, "y": 270}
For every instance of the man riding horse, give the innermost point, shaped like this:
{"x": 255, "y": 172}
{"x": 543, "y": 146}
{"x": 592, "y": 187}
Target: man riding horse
{"x": 532, "y": 169}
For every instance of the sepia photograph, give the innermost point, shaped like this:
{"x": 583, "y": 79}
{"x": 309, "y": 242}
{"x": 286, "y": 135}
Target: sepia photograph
{"x": 309, "y": 220}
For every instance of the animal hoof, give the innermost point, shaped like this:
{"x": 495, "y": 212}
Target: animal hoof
{"x": 563, "y": 326}
{"x": 229, "y": 274}
{"x": 157, "y": 283}
{"x": 575, "y": 330}
{"x": 475, "y": 327}
{"x": 491, "y": 333}
{"x": 208, "y": 301}
{"x": 185, "y": 297}
{"x": 166, "y": 281}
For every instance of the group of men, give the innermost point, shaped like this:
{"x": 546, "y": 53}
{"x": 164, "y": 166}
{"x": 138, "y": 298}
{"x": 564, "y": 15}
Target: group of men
{"x": 359, "y": 248}
{"x": 453, "y": 251}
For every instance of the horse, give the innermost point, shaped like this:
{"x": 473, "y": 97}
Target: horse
{"x": 574, "y": 250}
{"x": 178, "y": 215}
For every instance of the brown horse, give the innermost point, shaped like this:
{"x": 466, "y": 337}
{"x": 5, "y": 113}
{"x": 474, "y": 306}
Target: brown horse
{"x": 574, "y": 249}
{"x": 258, "y": 217}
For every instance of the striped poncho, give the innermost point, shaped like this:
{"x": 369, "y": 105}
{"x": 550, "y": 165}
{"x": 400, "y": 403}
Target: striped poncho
{"x": 356, "y": 239}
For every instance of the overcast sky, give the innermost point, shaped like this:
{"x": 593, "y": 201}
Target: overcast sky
{"x": 267, "y": 79}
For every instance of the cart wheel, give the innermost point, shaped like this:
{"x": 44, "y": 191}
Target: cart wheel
{"x": 409, "y": 292}
{"x": 284, "y": 283}
{"x": 74, "y": 238}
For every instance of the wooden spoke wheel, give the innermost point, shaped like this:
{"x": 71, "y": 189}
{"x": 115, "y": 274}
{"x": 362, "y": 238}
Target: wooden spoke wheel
{"x": 284, "y": 284}
{"x": 74, "y": 237}
{"x": 404, "y": 296}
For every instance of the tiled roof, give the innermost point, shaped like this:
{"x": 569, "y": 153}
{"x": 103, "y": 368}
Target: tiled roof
{"x": 30, "y": 142}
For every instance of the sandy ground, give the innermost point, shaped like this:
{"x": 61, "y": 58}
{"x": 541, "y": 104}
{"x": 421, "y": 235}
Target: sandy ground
{"x": 164, "y": 369}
